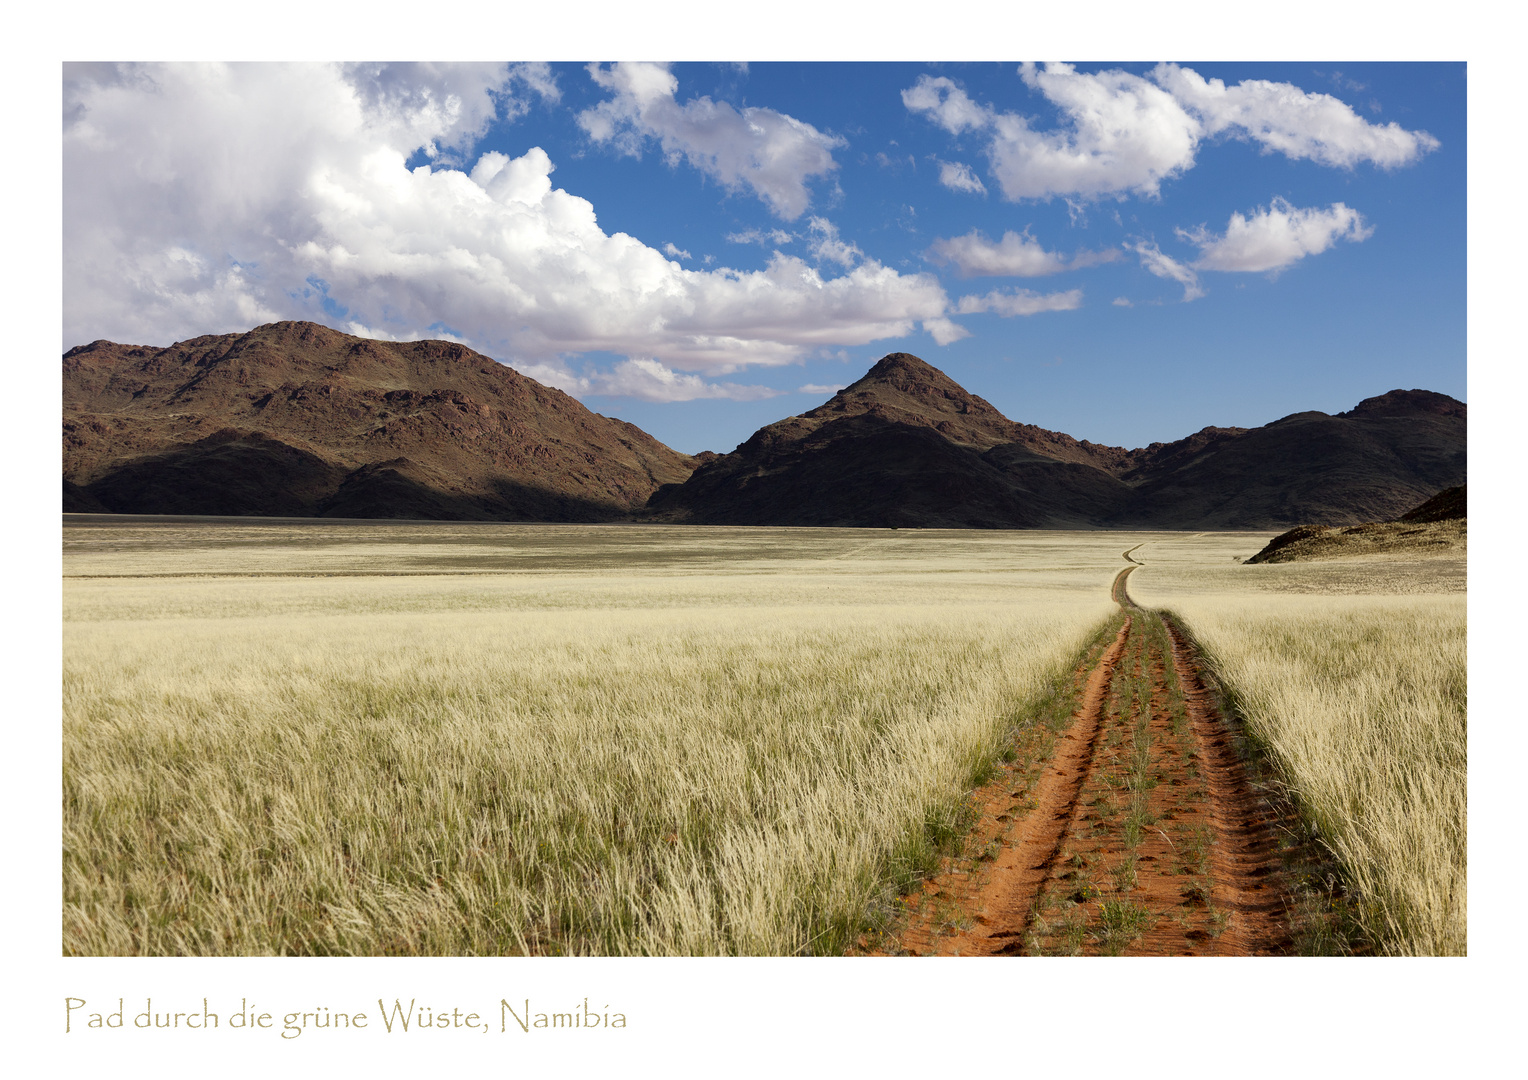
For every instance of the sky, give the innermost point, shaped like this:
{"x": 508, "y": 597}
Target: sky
{"x": 1123, "y": 252}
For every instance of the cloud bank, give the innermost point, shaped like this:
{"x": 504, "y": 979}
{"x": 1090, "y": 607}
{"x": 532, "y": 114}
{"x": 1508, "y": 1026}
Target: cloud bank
{"x": 213, "y": 197}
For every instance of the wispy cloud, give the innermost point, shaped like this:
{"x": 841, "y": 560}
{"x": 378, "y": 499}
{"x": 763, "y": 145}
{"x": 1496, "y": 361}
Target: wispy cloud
{"x": 1165, "y": 266}
{"x": 638, "y": 377}
{"x": 1020, "y": 302}
{"x": 763, "y": 237}
{"x": 1015, "y": 255}
{"x": 758, "y": 149}
{"x": 957, "y": 176}
{"x": 826, "y": 246}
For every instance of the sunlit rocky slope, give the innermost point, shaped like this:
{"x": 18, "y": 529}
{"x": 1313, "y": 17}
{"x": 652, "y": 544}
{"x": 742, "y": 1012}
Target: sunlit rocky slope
{"x": 297, "y": 419}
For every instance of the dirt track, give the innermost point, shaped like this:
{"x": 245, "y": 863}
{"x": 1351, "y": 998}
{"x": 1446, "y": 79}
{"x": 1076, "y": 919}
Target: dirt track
{"x": 1134, "y": 831}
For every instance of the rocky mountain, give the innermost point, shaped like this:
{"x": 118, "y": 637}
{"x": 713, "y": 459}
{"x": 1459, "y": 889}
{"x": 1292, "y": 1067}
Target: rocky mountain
{"x": 295, "y": 419}
{"x": 1367, "y": 464}
{"x": 907, "y": 446}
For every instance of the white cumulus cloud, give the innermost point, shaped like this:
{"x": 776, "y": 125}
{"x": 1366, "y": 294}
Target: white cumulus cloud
{"x": 674, "y": 251}
{"x": 208, "y": 198}
{"x": 1297, "y": 124}
{"x": 1020, "y": 302}
{"x": 1275, "y": 237}
{"x": 1015, "y": 255}
{"x": 946, "y": 104}
{"x": 1122, "y": 134}
{"x": 768, "y": 152}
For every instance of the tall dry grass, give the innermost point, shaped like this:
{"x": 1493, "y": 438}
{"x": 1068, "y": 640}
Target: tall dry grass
{"x": 1362, "y": 703}
{"x": 734, "y": 763}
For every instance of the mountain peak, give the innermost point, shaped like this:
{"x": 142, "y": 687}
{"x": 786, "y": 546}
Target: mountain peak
{"x": 906, "y": 389}
{"x": 1408, "y": 403}
{"x": 909, "y": 374}
{"x": 901, "y": 365}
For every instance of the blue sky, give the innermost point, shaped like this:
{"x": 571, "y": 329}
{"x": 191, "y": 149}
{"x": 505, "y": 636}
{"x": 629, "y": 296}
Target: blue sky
{"x": 1124, "y": 252}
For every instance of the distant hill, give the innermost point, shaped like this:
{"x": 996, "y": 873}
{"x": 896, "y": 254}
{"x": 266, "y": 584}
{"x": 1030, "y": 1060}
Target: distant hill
{"x": 907, "y": 446}
{"x": 293, "y": 418}
{"x": 1438, "y": 526}
{"x": 1368, "y": 464}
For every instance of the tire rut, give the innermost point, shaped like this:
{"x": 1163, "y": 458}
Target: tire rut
{"x": 1247, "y": 860}
{"x": 1135, "y": 831}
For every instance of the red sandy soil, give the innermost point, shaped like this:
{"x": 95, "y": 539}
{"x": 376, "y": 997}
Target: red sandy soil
{"x": 1133, "y": 832}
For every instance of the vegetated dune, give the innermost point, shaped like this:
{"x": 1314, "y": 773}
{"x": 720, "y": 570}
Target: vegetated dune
{"x": 295, "y": 419}
{"x": 908, "y": 446}
{"x": 1437, "y": 527}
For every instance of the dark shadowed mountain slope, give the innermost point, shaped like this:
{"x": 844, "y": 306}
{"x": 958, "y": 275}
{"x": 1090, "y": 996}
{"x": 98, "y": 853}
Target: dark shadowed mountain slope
{"x": 907, "y": 446}
{"x": 904, "y": 446}
{"x": 1368, "y": 464}
{"x": 297, "y": 419}
{"x": 1448, "y": 505}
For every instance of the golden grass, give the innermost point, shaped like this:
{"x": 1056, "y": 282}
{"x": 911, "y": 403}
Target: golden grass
{"x": 1362, "y": 702}
{"x": 591, "y": 741}
{"x": 459, "y": 739}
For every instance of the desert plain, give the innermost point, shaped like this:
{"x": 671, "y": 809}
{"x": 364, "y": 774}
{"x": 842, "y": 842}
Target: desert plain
{"x": 309, "y": 737}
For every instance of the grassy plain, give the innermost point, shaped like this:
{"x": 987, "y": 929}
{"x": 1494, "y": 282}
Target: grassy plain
{"x": 471, "y": 739}
{"x": 1352, "y": 674}
{"x": 462, "y": 739}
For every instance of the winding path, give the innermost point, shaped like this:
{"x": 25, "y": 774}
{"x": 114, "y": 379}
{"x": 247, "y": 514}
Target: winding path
{"x": 1135, "y": 830}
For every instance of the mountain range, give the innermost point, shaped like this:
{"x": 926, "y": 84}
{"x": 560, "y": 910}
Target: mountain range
{"x": 298, "y": 419}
